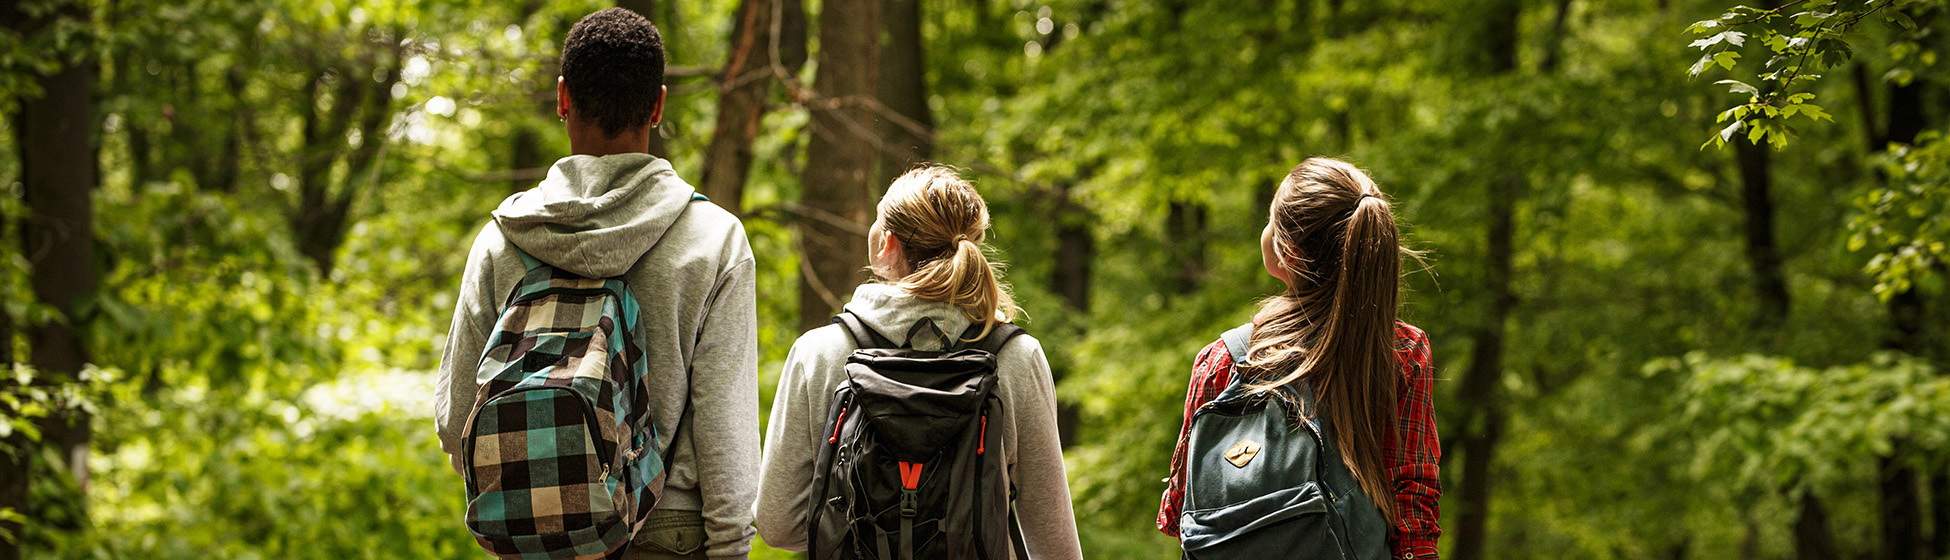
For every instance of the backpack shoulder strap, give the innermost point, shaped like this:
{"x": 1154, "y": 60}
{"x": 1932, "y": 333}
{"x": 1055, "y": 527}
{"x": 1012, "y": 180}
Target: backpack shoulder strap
{"x": 1238, "y": 340}
{"x": 862, "y": 336}
{"x": 997, "y": 338}
{"x": 528, "y": 262}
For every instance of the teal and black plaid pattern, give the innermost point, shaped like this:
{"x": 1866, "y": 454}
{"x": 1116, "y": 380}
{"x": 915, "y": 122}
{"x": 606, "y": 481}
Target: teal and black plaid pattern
{"x": 560, "y": 458}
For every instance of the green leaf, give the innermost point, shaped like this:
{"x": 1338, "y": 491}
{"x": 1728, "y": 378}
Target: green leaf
{"x": 1901, "y": 19}
{"x": 1726, "y": 134}
{"x": 1737, "y": 86}
{"x": 1700, "y": 66}
{"x": 1726, "y": 59}
{"x": 1816, "y": 112}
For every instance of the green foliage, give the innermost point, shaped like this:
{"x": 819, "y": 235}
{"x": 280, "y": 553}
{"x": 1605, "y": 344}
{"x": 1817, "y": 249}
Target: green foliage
{"x": 1901, "y": 219}
{"x": 26, "y": 401}
{"x": 1905, "y": 223}
{"x": 259, "y": 408}
{"x": 1802, "y": 38}
{"x": 343, "y": 470}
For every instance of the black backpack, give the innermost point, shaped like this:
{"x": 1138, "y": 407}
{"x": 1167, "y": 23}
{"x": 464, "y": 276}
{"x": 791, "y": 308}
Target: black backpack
{"x": 1258, "y": 487}
{"x": 909, "y": 469}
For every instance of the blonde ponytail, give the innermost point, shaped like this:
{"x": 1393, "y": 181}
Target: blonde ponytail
{"x": 940, "y": 222}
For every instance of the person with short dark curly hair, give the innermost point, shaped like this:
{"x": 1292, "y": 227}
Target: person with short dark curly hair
{"x": 613, "y": 210}
{"x": 611, "y": 92}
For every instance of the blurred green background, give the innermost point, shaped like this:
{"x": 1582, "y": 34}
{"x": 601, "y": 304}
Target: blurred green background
{"x": 233, "y": 230}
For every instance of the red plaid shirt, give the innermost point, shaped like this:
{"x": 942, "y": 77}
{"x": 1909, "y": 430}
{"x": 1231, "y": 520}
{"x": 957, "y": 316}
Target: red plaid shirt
{"x": 1412, "y": 454}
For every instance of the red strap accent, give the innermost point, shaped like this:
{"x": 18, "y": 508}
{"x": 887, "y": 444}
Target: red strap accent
{"x": 836, "y": 427}
{"x": 910, "y": 478}
{"x": 981, "y": 443}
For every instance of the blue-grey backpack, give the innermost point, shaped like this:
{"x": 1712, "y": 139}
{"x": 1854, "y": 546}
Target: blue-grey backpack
{"x": 1257, "y": 486}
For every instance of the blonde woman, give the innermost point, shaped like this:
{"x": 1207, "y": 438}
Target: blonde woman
{"x": 937, "y": 293}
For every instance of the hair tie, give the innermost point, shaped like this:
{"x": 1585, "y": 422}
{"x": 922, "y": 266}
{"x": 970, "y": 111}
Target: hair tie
{"x": 1365, "y": 195}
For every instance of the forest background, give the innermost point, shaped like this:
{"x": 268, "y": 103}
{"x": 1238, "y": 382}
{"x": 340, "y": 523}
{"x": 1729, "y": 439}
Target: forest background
{"x": 233, "y": 230}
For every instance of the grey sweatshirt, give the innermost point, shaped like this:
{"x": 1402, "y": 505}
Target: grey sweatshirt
{"x": 1028, "y": 423}
{"x": 689, "y": 266}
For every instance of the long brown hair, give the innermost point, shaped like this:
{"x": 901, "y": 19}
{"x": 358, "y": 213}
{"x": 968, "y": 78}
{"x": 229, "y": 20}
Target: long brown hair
{"x": 940, "y": 221}
{"x": 1334, "y": 328}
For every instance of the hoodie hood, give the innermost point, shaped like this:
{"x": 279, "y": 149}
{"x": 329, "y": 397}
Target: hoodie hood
{"x": 907, "y": 320}
{"x": 595, "y": 216}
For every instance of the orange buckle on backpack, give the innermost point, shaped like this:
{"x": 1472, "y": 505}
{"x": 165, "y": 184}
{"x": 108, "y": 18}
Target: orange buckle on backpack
{"x": 910, "y": 477}
{"x": 910, "y": 482}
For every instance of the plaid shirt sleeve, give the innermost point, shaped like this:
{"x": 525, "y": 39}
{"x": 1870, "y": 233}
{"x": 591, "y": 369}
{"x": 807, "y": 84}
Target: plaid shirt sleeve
{"x": 1415, "y": 450}
{"x": 1412, "y": 454}
{"x": 1211, "y": 372}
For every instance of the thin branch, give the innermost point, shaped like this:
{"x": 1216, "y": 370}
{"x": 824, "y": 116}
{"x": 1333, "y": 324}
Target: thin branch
{"x": 811, "y": 277}
{"x": 1765, "y": 15}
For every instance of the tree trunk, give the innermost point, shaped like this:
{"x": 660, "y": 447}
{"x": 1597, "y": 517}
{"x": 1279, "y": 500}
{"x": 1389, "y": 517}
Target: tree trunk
{"x": 323, "y": 139}
{"x": 1076, "y": 247}
{"x": 745, "y": 87}
{"x": 1301, "y": 28}
{"x": 908, "y": 131}
{"x": 1901, "y": 495}
{"x": 1763, "y": 257}
{"x": 1940, "y": 515}
{"x": 840, "y": 156}
{"x": 55, "y": 139}
{"x": 645, "y": 8}
{"x": 1479, "y": 395}
{"x": 1814, "y": 538}
{"x": 320, "y": 218}
{"x": 13, "y": 489}
{"x": 525, "y": 143}
{"x": 1479, "y": 384}
{"x": 1750, "y": 540}
{"x": 1185, "y": 244}
{"x": 524, "y": 153}
{"x": 137, "y": 132}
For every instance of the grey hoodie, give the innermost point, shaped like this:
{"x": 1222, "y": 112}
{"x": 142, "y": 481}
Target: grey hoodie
{"x": 689, "y": 266}
{"x": 1028, "y": 424}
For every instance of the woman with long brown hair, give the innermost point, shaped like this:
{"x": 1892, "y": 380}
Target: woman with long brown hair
{"x": 1333, "y": 337}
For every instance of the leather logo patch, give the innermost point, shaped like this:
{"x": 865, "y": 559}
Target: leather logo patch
{"x": 1242, "y": 453}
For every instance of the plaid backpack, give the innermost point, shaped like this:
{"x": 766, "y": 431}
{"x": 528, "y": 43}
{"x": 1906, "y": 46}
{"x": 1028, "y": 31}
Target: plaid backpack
{"x": 561, "y": 459}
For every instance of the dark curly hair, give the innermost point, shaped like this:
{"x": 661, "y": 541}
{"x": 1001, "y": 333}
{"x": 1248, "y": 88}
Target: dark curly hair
{"x": 613, "y": 65}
